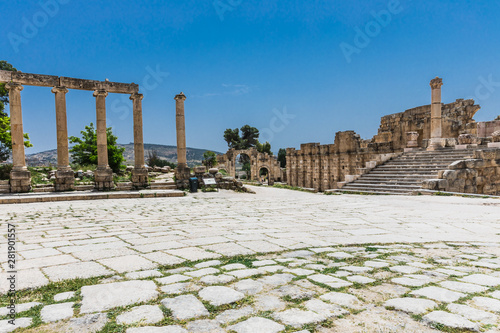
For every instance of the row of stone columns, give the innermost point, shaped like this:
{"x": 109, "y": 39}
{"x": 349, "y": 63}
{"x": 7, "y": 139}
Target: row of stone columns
{"x": 20, "y": 177}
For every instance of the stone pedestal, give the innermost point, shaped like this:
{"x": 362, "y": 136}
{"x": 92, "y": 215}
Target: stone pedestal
{"x": 20, "y": 181}
{"x": 182, "y": 174}
{"x": 65, "y": 180}
{"x": 104, "y": 179}
{"x": 411, "y": 139}
{"x": 140, "y": 178}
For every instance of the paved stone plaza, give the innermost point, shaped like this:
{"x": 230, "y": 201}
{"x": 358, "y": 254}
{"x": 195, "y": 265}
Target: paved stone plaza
{"x": 305, "y": 263}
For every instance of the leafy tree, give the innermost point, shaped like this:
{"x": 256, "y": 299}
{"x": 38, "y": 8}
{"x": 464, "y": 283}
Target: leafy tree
{"x": 209, "y": 159}
{"x": 248, "y": 138}
{"x": 5, "y": 137}
{"x": 154, "y": 159}
{"x": 84, "y": 152}
{"x": 282, "y": 157}
{"x": 263, "y": 147}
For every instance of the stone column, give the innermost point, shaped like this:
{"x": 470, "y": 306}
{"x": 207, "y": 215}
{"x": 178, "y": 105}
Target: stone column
{"x": 436, "y": 137}
{"x": 140, "y": 173}
{"x": 103, "y": 174}
{"x": 65, "y": 178}
{"x": 182, "y": 171}
{"x": 20, "y": 177}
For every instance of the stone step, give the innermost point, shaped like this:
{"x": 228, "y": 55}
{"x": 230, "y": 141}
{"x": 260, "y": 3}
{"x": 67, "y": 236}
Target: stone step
{"x": 124, "y": 186}
{"x": 163, "y": 187}
{"x": 409, "y": 168}
{"x": 43, "y": 185}
{"x": 389, "y": 182}
{"x": 43, "y": 189}
{"x": 3, "y": 187}
{"x": 84, "y": 187}
{"x": 4, "y": 182}
{"x": 386, "y": 186}
{"x": 2, "y": 190}
{"x": 369, "y": 192}
{"x": 376, "y": 189}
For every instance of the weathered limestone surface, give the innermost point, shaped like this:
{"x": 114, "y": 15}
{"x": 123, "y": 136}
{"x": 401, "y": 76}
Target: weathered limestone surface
{"x": 480, "y": 175}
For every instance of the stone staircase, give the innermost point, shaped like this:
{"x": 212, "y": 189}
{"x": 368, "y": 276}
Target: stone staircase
{"x": 169, "y": 185}
{"x": 404, "y": 174}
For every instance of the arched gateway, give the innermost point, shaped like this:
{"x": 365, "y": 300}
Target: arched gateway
{"x": 257, "y": 162}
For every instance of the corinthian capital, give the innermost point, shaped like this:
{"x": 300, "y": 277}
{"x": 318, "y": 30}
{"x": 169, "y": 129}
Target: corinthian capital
{"x": 436, "y": 83}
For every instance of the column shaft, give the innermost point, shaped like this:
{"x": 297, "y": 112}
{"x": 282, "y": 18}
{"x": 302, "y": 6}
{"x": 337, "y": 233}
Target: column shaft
{"x": 16, "y": 127}
{"x": 102, "y": 140}
{"x": 140, "y": 173}
{"x": 62, "y": 128}
{"x": 181, "y": 130}
{"x": 436, "y": 141}
{"x": 138, "y": 133}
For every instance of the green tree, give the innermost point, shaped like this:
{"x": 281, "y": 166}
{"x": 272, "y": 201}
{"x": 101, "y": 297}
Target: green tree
{"x": 282, "y": 157}
{"x": 84, "y": 152}
{"x": 5, "y": 137}
{"x": 248, "y": 138}
{"x": 263, "y": 147}
{"x": 209, "y": 159}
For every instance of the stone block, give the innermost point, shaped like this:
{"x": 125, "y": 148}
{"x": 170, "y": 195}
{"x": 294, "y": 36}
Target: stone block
{"x": 457, "y": 165}
{"x": 493, "y": 144}
{"x": 20, "y": 181}
{"x": 104, "y": 179}
{"x": 65, "y": 180}
{"x": 139, "y": 177}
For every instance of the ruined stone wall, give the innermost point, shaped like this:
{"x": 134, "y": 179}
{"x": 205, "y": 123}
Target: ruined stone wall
{"x": 322, "y": 166}
{"x": 480, "y": 175}
{"x": 457, "y": 117}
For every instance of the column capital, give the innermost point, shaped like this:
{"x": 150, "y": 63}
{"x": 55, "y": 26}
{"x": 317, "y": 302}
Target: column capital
{"x": 136, "y": 96}
{"x": 180, "y": 97}
{"x": 12, "y": 85}
{"x": 436, "y": 83}
{"x": 63, "y": 90}
{"x": 100, "y": 92}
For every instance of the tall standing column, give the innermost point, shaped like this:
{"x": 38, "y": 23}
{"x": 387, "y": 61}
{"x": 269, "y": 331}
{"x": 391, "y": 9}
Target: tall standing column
{"x": 65, "y": 178}
{"x": 103, "y": 175}
{"x": 182, "y": 171}
{"x": 20, "y": 177}
{"x": 436, "y": 119}
{"x": 140, "y": 173}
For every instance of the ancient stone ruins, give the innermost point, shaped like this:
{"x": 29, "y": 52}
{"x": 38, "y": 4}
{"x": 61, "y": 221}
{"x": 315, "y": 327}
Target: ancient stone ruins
{"x": 411, "y": 147}
{"x": 20, "y": 177}
{"x": 437, "y": 147}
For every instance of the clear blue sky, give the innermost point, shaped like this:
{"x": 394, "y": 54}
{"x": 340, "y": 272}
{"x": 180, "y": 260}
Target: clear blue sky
{"x": 242, "y": 62}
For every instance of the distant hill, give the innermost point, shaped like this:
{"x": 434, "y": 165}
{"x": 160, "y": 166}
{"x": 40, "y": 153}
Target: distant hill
{"x": 169, "y": 153}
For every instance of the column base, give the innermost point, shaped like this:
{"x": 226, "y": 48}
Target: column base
{"x": 65, "y": 180}
{"x": 140, "y": 177}
{"x": 182, "y": 174}
{"x": 104, "y": 179}
{"x": 436, "y": 144}
{"x": 20, "y": 181}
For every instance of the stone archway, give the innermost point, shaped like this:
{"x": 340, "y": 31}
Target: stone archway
{"x": 257, "y": 161}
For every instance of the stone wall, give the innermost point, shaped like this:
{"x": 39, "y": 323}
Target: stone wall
{"x": 457, "y": 117}
{"x": 323, "y": 167}
{"x": 487, "y": 128}
{"x": 480, "y": 175}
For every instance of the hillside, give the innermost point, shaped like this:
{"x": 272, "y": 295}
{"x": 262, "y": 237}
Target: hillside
{"x": 169, "y": 153}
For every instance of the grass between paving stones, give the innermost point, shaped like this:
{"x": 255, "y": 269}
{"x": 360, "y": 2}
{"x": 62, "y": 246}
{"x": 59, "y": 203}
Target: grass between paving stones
{"x": 45, "y": 294}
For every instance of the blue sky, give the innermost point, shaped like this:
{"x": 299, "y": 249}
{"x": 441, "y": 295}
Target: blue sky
{"x": 280, "y": 66}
